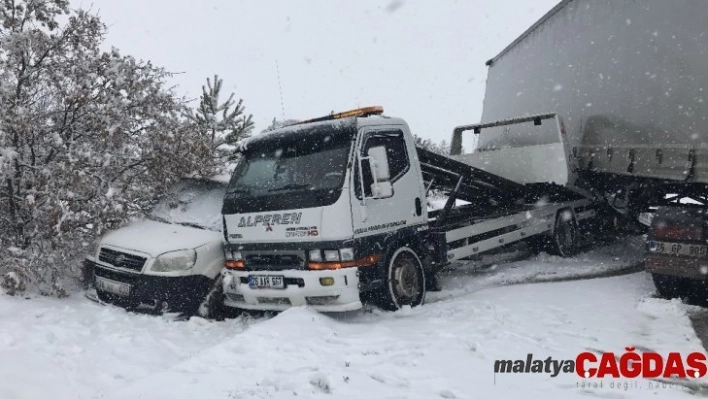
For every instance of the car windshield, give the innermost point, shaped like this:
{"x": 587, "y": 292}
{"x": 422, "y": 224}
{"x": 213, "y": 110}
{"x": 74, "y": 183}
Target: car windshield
{"x": 283, "y": 164}
{"x": 194, "y": 203}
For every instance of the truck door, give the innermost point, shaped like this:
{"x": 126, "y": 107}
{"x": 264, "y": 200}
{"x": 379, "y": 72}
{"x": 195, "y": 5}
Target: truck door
{"x": 404, "y": 204}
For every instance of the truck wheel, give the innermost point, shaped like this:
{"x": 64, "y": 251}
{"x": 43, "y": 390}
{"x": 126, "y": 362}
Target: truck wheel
{"x": 565, "y": 235}
{"x": 669, "y": 286}
{"x": 405, "y": 280}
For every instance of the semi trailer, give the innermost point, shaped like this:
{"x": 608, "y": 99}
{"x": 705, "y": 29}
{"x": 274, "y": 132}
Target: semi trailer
{"x": 630, "y": 80}
{"x": 332, "y": 212}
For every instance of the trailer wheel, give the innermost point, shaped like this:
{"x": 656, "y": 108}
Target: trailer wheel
{"x": 405, "y": 285}
{"x": 565, "y": 235}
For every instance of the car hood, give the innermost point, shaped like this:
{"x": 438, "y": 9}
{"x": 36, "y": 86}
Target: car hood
{"x": 155, "y": 238}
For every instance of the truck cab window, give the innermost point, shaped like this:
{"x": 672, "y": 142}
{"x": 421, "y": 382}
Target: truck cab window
{"x": 398, "y": 161}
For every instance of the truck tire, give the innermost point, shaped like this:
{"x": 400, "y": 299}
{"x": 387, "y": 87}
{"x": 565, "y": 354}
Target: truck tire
{"x": 669, "y": 287}
{"x": 405, "y": 281}
{"x": 565, "y": 235}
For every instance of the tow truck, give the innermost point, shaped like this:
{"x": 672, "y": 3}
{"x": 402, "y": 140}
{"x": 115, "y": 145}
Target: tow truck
{"x": 331, "y": 212}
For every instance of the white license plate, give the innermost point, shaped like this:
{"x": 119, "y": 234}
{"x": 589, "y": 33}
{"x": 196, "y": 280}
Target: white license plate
{"x": 275, "y": 282}
{"x": 113, "y": 287}
{"x": 674, "y": 248}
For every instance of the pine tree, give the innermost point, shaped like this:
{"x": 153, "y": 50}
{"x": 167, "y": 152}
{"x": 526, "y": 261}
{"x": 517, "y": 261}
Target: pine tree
{"x": 220, "y": 122}
{"x": 442, "y": 148}
{"x": 277, "y": 124}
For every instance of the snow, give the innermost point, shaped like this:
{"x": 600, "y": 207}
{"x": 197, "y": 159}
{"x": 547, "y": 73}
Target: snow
{"x": 439, "y": 203}
{"x": 155, "y": 238}
{"x": 195, "y": 201}
{"x": 74, "y": 348}
{"x": 494, "y": 270}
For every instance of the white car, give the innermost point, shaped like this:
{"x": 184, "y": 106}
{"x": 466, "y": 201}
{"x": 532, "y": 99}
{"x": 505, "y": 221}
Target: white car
{"x": 169, "y": 262}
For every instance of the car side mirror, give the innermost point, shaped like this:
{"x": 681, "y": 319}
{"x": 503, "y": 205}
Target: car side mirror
{"x": 379, "y": 164}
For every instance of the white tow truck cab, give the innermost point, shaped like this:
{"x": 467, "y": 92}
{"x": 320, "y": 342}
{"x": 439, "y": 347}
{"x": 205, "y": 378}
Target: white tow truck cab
{"x": 331, "y": 212}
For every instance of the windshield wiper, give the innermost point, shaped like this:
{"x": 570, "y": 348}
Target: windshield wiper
{"x": 158, "y": 219}
{"x": 240, "y": 190}
{"x": 190, "y": 224}
{"x": 290, "y": 187}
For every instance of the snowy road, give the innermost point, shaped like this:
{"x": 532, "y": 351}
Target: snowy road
{"x": 74, "y": 348}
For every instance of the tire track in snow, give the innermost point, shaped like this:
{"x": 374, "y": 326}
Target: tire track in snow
{"x": 514, "y": 268}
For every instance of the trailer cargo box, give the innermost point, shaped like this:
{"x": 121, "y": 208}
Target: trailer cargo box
{"x": 629, "y": 78}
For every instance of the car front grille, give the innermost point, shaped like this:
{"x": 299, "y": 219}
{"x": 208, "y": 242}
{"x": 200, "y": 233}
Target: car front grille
{"x": 122, "y": 259}
{"x": 122, "y": 277}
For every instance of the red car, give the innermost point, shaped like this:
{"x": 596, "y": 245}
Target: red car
{"x": 676, "y": 251}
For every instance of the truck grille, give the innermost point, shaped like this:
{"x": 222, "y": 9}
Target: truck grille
{"x": 121, "y": 259}
{"x": 274, "y": 262}
{"x": 273, "y": 301}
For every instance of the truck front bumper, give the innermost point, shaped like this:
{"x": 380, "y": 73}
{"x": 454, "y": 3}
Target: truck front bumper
{"x": 302, "y": 288}
{"x": 182, "y": 294}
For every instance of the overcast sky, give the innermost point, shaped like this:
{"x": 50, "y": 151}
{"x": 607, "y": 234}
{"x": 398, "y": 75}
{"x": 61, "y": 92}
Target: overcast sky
{"x": 422, "y": 60}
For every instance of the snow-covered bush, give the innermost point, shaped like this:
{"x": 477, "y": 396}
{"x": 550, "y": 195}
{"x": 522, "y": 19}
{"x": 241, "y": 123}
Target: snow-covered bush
{"x": 88, "y": 138}
{"x": 442, "y": 148}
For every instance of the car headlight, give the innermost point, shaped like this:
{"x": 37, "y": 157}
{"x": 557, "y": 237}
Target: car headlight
{"x": 174, "y": 261}
{"x": 92, "y": 249}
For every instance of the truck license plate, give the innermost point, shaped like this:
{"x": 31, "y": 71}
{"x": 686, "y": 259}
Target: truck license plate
{"x": 113, "y": 287}
{"x": 674, "y": 248}
{"x": 275, "y": 282}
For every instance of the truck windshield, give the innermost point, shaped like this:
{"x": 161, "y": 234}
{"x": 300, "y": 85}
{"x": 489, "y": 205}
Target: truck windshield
{"x": 306, "y": 166}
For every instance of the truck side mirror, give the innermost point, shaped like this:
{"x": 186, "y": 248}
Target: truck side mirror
{"x": 378, "y": 176}
{"x": 382, "y": 189}
{"x": 379, "y": 164}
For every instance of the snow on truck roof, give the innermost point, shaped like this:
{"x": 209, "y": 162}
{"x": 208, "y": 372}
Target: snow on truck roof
{"x": 528, "y": 31}
{"x": 346, "y": 121}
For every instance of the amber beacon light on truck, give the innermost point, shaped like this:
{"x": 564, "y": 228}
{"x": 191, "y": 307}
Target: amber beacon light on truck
{"x": 358, "y": 112}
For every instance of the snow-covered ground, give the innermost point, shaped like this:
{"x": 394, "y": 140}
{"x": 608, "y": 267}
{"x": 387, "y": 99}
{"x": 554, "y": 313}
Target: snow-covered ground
{"x": 74, "y": 348}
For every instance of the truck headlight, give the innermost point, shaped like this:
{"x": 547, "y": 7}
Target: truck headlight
{"x": 234, "y": 260}
{"x": 331, "y": 255}
{"x": 173, "y": 261}
{"x": 315, "y": 255}
{"x": 346, "y": 254}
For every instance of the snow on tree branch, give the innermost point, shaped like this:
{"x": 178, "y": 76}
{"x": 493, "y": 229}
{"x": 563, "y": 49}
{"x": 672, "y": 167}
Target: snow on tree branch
{"x": 88, "y": 138}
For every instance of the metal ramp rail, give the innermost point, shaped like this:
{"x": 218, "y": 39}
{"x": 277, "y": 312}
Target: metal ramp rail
{"x": 459, "y": 180}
